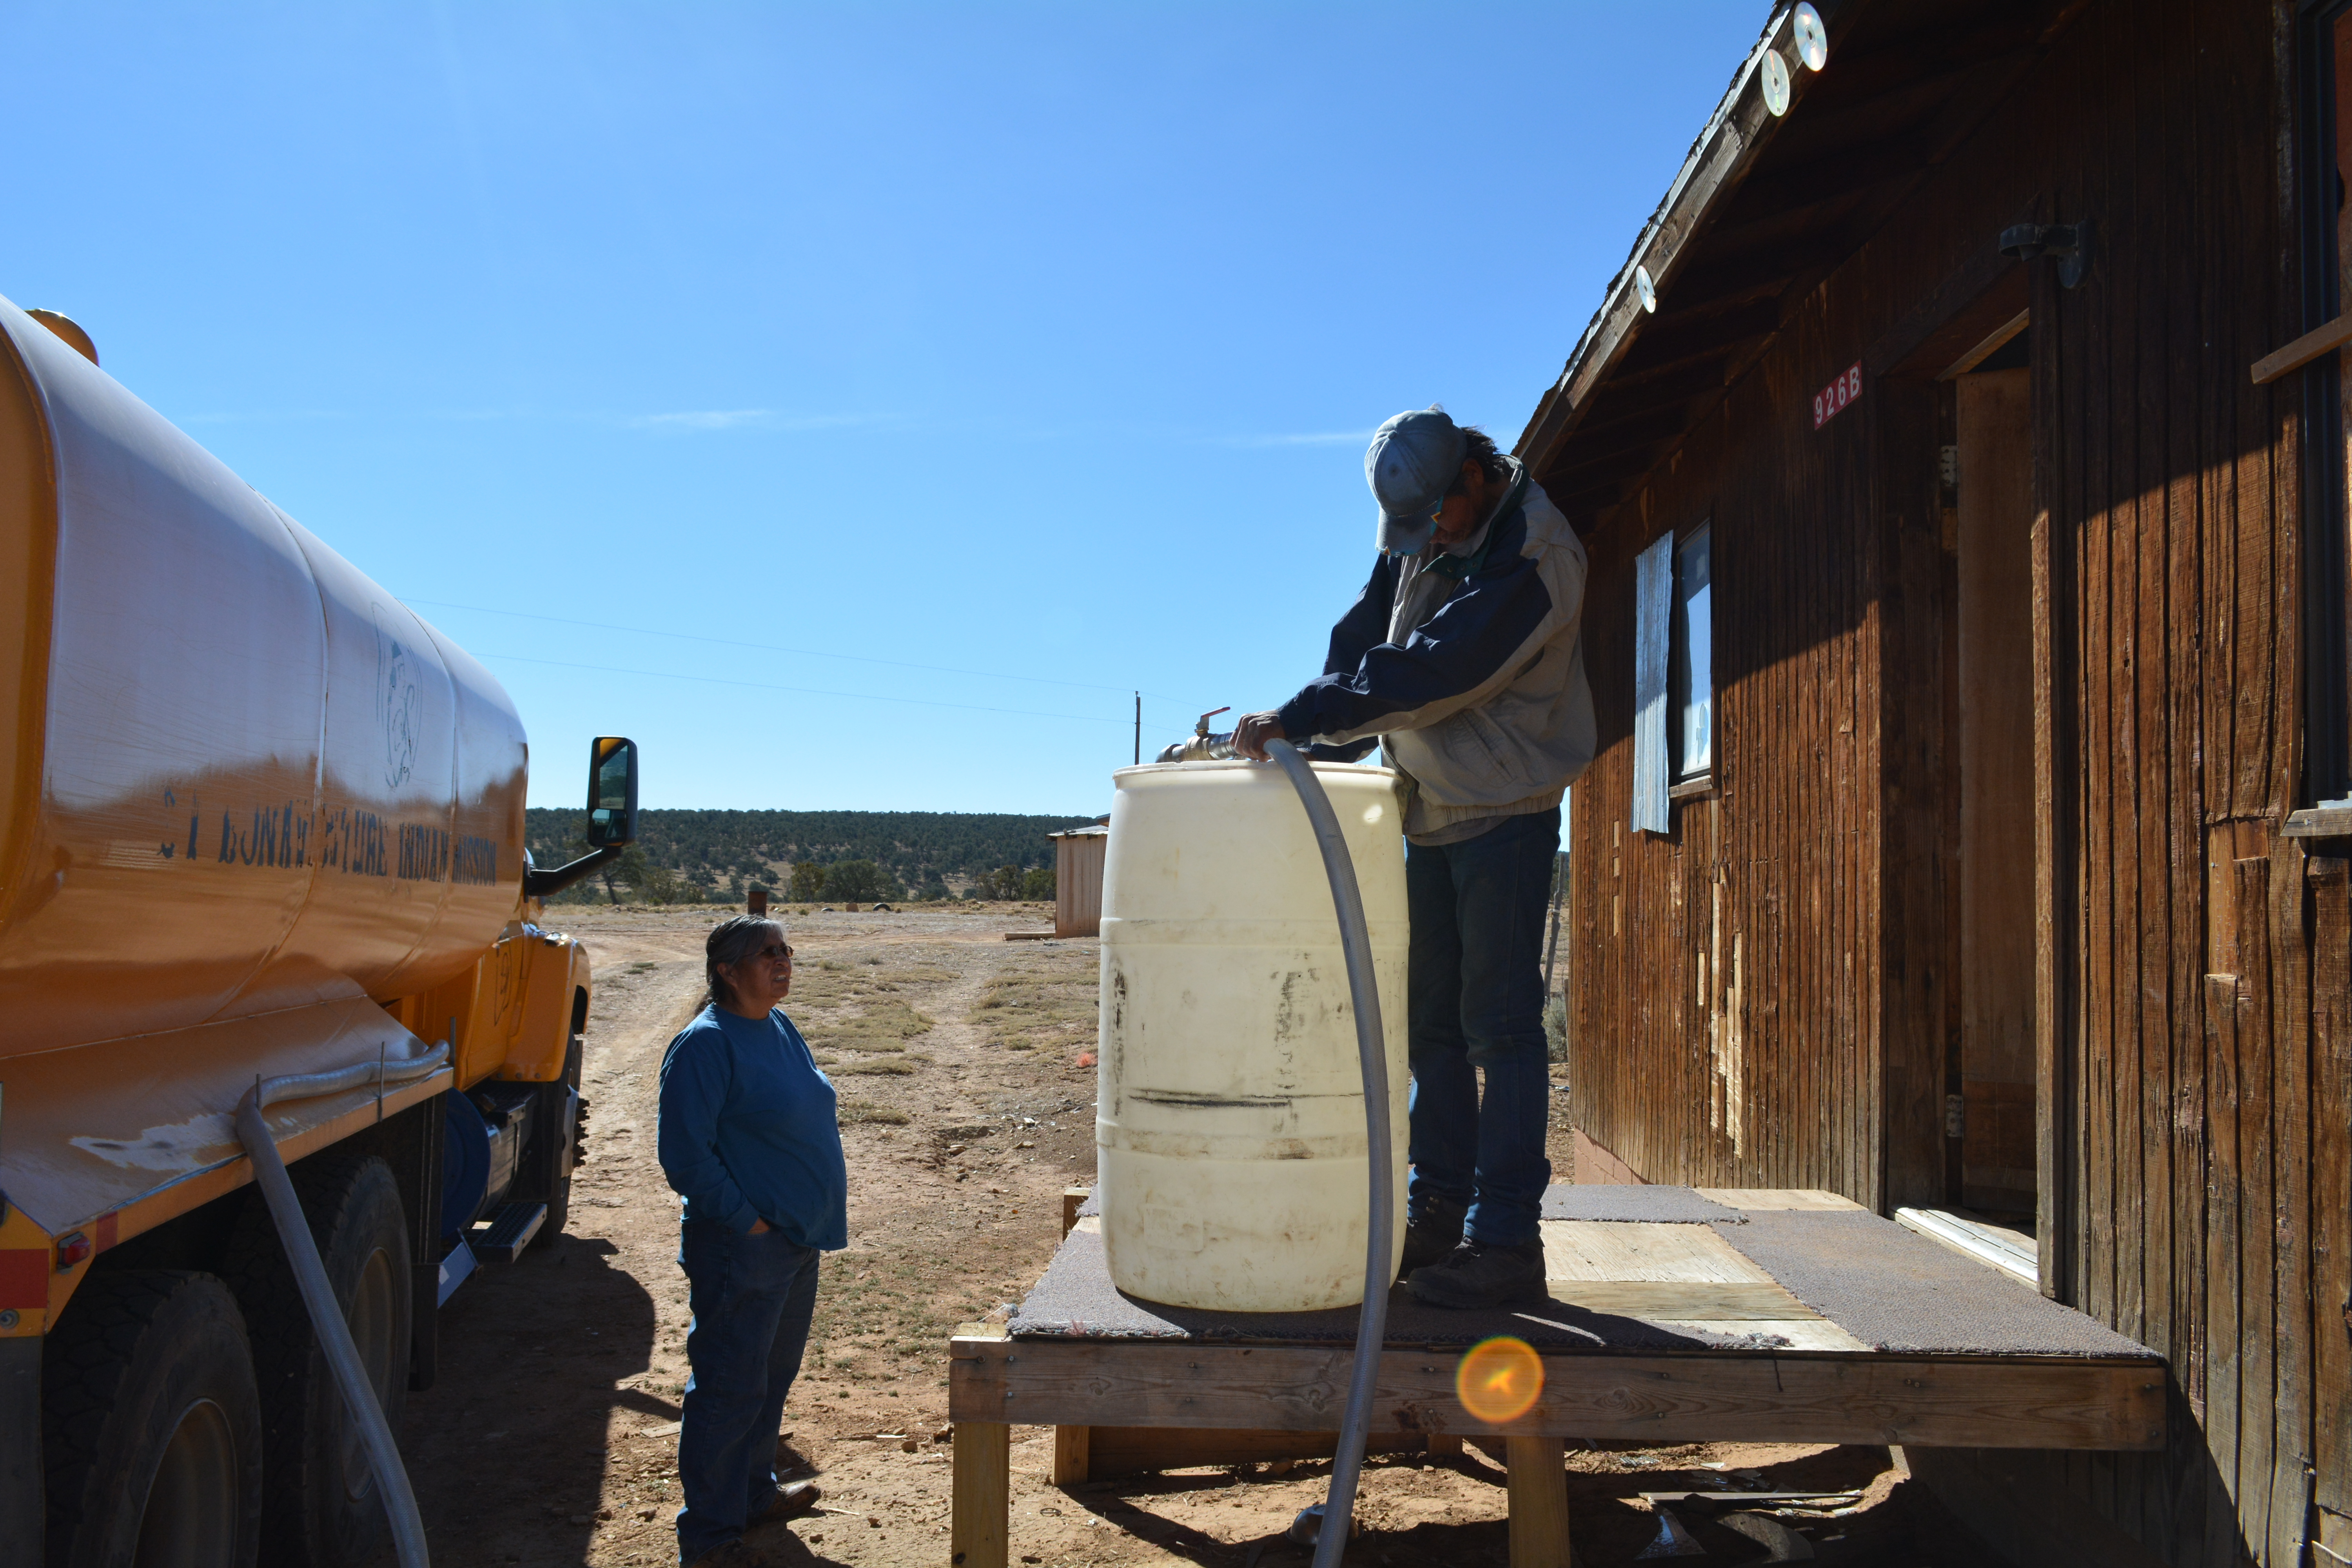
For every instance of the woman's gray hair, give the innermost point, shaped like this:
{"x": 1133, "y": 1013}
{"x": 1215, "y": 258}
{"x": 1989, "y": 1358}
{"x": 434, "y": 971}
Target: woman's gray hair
{"x": 732, "y": 941}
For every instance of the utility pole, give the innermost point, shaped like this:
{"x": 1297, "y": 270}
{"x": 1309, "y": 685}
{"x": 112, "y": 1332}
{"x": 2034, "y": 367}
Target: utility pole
{"x": 1138, "y": 729}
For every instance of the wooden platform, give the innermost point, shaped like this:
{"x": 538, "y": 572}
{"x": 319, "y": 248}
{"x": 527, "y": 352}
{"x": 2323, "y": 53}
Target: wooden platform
{"x": 1694, "y": 1329}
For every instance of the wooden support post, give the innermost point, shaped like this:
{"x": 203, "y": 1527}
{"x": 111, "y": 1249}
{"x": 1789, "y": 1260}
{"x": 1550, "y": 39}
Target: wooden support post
{"x": 1072, "y": 1199}
{"x": 1539, "y": 1501}
{"x": 1073, "y": 1454}
{"x": 982, "y": 1494}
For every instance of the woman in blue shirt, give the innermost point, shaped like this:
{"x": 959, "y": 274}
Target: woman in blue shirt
{"x": 748, "y": 1135}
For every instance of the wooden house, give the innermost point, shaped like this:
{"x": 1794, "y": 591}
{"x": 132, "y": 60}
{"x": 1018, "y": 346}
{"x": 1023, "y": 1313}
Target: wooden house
{"x": 1962, "y": 457}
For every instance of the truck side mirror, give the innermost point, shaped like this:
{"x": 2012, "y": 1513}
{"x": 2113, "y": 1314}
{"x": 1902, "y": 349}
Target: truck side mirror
{"x": 612, "y": 792}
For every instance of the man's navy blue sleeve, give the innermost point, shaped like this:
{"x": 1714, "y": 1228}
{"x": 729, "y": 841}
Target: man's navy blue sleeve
{"x": 1492, "y": 625}
{"x": 1366, "y": 624}
{"x": 1363, "y": 628}
{"x": 694, "y": 1080}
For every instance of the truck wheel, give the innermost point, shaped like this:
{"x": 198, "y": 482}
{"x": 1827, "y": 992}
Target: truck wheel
{"x": 324, "y": 1507}
{"x": 558, "y": 1122}
{"x": 153, "y": 1425}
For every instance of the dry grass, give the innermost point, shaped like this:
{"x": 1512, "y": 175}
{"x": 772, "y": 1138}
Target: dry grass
{"x": 851, "y": 1005}
{"x": 882, "y": 1024}
{"x": 1038, "y": 1008}
{"x": 849, "y": 1112}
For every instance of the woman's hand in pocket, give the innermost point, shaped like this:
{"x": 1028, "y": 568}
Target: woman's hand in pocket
{"x": 760, "y": 1227}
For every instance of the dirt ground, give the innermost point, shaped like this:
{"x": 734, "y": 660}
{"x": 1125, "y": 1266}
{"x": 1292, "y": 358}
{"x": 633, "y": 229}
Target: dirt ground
{"x": 963, "y": 1061}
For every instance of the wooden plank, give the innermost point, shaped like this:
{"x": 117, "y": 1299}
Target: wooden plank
{"x": 1615, "y": 1250}
{"x": 1656, "y": 1299}
{"x": 2291, "y": 1325}
{"x": 1073, "y": 1455}
{"x": 1801, "y": 1334}
{"x": 2291, "y": 357}
{"x": 1965, "y": 1402}
{"x": 2258, "y": 1158}
{"x": 1539, "y": 1502}
{"x": 1915, "y": 666}
{"x": 1993, "y": 428}
{"x": 1763, "y": 1199}
{"x": 980, "y": 1491}
{"x": 1073, "y": 1199}
{"x": 2057, "y": 352}
{"x": 1144, "y": 1450}
{"x": 2222, "y": 1369}
{"x": 1990, "y": 344}
{"x": 2319, "y": 822}
{"x": 2331, "y": 1202}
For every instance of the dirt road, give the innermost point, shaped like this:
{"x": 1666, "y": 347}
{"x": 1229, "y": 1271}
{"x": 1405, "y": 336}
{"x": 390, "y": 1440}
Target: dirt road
{"x": 964, "y": 1062}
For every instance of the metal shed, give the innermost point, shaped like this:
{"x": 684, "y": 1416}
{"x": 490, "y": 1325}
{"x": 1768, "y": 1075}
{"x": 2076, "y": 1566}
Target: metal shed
{"x": 1078, "y": 880}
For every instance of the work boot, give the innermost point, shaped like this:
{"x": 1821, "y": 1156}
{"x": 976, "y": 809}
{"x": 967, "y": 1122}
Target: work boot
{"x": 791, "y": 1502}
{"x": 1473, "y": 1275}
{"x": 1428, "y": 1239}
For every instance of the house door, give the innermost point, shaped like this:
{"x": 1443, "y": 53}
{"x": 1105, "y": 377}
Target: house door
{"x": 1995, "y": 1117}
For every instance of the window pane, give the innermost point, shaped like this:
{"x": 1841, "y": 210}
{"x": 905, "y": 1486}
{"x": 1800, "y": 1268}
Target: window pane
{"x": 1693, "y": 694}
{"x": 1653, "y": 613}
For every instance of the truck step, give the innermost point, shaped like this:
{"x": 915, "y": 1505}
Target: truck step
{"x": 509, "y": 1231}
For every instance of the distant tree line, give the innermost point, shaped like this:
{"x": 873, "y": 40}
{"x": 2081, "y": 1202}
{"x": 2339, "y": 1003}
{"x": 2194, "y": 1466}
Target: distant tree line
{"x": 840, "y": 857}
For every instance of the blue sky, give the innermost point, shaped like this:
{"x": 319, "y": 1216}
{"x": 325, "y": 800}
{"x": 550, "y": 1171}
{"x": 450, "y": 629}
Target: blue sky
{"x": 949, "y": 372}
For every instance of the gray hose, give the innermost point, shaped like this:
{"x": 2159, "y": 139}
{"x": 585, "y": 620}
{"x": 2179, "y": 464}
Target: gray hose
{"x": 1371, "y": 1053}
{"x": 310, "y": 1275}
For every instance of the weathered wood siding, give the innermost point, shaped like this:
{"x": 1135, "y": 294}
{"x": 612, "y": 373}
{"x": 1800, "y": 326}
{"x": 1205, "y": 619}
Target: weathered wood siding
{"x": 1763, "y": 996}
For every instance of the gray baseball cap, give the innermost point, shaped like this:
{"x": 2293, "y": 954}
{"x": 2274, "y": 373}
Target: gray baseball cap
{"x": 1413, "y": 459}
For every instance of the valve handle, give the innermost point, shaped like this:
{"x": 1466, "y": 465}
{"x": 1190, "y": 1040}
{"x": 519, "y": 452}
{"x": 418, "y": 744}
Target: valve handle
{"x": 1200, "y": 726}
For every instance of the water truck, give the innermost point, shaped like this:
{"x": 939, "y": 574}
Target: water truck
{"x": 261, "y": 843}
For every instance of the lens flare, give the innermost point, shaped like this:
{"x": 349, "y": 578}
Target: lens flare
{"x": 1499, "y": 1379}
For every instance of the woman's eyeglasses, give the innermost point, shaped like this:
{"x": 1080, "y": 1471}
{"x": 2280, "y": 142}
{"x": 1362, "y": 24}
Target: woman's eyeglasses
{"x": 777, "y": 950}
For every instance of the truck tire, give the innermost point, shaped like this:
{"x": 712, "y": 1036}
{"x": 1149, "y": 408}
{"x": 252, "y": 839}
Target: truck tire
{"x": 151, "y": 1425}
{"x": 559, "y": 1123}
{"x": 324, "y": 1506}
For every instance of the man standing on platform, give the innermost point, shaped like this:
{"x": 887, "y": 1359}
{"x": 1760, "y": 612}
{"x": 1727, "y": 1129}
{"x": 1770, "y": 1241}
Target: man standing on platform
{"x": 1463, "y": 657}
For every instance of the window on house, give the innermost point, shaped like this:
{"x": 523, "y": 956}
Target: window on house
{"x": 1673, "y": 674}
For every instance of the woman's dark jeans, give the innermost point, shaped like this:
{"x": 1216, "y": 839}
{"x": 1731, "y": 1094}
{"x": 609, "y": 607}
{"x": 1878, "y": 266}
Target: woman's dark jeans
{"x": 1475, "y": 1000}
{"x": 751, "y": 1297}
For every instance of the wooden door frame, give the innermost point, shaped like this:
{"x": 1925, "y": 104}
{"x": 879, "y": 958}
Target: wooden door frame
{"x": 1930, "y": 344}
{"x": 2057, "y": 1024}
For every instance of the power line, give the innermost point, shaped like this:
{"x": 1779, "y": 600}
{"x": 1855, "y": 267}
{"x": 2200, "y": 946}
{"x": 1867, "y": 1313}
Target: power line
{"x": 807, "y": 690}
{"x": 778, "y": 647}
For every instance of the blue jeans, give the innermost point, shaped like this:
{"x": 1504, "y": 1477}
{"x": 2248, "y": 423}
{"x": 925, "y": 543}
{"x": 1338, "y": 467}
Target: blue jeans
{"x": 1475, "y": 1001}
{"x": 751, "y": 1297}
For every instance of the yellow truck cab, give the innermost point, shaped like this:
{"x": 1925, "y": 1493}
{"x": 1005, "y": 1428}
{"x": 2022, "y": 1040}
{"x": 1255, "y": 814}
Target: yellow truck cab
{"x": 257, "y": 819}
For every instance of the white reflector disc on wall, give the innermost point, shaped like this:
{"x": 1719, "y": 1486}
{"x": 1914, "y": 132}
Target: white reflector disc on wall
{"x": 1812, "y": 38}
{"x": 1775, "y": 82}
{"x": 1645, "y": 288}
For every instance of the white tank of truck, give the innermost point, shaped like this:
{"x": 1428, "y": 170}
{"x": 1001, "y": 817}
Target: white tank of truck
{"x": 222, "y": 729}
{"x": 1230, "y": 1121}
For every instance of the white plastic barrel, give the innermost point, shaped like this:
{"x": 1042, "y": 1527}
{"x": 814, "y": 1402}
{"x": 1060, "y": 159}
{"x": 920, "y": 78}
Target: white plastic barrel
{"x": 1230, "y": 1126}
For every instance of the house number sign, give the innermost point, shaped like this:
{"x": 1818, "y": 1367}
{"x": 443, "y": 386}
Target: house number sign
{"x": 1830, "y": 400}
